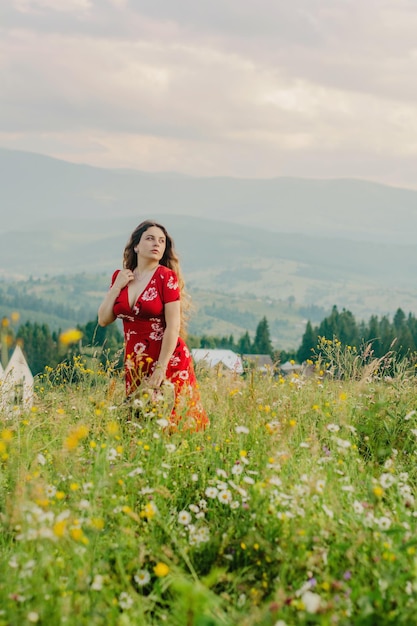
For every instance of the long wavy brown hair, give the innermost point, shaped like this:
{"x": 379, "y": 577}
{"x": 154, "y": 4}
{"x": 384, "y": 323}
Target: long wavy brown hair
{"x": 169, "y": 259}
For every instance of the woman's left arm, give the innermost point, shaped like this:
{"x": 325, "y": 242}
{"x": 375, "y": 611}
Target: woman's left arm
{"x": 169, "y": 341}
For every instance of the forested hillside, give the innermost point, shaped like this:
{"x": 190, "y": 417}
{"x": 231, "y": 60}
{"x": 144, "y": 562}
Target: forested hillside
{"x": 374, "y": 339}
{"x": 64, "y": 301}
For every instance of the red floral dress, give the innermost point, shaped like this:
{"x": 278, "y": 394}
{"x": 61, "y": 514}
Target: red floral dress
{"x": 144, "y": 326}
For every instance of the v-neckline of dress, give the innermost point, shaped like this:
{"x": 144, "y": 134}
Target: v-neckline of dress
{"x": 131, "y": 306}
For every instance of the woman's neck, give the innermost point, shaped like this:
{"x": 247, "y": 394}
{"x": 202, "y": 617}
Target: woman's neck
{"x": 145, "y": 268}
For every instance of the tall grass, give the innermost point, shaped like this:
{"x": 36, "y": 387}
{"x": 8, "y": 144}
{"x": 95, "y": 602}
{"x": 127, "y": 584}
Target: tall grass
{"x": 296, "y": 506}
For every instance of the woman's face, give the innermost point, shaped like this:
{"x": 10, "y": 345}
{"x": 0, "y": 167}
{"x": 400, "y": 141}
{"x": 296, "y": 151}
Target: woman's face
{"x": 152, "y": 244}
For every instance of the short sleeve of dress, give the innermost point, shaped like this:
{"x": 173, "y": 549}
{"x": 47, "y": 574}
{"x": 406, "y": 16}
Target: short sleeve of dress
{"x": 113, "y": 278}
{"x": 170, "y": 286}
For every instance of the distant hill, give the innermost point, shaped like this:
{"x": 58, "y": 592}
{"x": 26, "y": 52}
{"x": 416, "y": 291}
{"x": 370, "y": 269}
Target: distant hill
{"x": 35, "y": 187}
{"x": 223, "y": 258}
{"x": 269, "y": 242}
{"x": 64, "y": 301}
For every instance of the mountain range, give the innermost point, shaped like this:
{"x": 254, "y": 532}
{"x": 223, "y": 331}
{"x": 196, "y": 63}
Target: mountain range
{"x": 313, "y": 242}
{"x": 34, "y": 188}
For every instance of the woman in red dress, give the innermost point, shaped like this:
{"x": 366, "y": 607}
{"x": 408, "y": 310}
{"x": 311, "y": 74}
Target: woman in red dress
{"x": 146, "y": 294}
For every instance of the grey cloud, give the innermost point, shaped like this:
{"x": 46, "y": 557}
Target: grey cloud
{"x": 276, "y": 20}
{"x": 258, "y": 85}
{"x": 253, "y": 18}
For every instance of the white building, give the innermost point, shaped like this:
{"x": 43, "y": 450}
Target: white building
{"x": 214, "y": 357}
{"x": 261, "y": 362}
{"x": 288, "y": 368}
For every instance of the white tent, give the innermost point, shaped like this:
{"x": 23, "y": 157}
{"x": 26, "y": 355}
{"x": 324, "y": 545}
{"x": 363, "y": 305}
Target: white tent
{"x": 213, "y": 357}
{"x": 16, "y": 383}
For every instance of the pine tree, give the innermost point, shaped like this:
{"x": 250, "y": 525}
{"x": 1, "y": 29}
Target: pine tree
{"x": 347, "y": 331}
{"x": 39, "y": 346}
{"x": 399, "y": 320}
{"x": 244, "y": 345}
{"x": 330, "y": 325}
{"x": 373, "y": 336}
{"x": 403, "y": 331}
{"x": 308, "y": 343}
{"x": 387, "y": 335}
{"x": 109, "y": 337}
{"x": 208, "y": 342}
{"x": 262, "y": 343}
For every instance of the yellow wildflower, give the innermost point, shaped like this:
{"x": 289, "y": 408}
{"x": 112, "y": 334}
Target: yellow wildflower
{"x": 72, "y": 335}
{"x": 378, "y": 491}
{"x": 112, "y": 428}
{"x": 71, "y": 442}
{"x": 161, "y": 569}
{"x": 97, "y": 523}
{"x": 148, "y": 511}
{"x": 59, "y": 528}
{"x": 81, "y": 431}
{"x": 78, "y": 535}
{"x": 7, "y": 435}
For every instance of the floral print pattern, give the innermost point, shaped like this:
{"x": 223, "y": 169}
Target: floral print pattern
{"x": 144, "y": 326}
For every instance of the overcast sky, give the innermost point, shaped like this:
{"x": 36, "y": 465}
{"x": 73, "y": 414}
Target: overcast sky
{"x": 248, "y": 88}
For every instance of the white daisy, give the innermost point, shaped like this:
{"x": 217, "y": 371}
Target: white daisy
{"x": 125, "y": 601}
{"x": 225, "y": 496}
{"x": 142, "y": 577}
{"x": 328, "y": 511}
{"x": 221, "y": 472}
{"x": 184, "y": 517}
{"x": 311, "y": 601}
{"x": 333, "y": 428}
{"x": 386, "y": 480}
{"x": 97, "y": 584}
{"x": 384, "y": 522}
{"x": 211, "y": 492}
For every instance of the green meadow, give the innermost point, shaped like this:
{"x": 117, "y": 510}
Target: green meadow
{"x": 296, "y": 506}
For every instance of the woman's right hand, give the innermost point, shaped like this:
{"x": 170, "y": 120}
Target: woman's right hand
{"x": 105, "y": 312}
{"x": 123, "y": 278}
